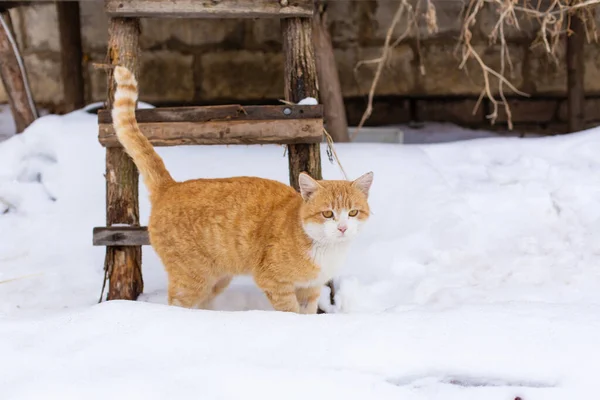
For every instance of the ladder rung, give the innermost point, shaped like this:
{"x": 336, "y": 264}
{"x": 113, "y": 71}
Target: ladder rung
{"x": 121, "y": 236}
{"x": 210, "y": 9}
{"x": 230, "y": 112}
{"x": 222, "y": 125}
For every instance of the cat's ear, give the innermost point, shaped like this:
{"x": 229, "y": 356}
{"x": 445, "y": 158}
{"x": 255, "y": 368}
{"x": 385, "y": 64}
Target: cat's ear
{"x": 308, "y": 186}
{"x": 363, "y": 183}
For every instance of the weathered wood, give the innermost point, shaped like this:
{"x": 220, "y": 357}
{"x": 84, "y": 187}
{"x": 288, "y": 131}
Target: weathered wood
{"x": 121, "y": 236}
{"x": 14, "y": 77}
{"x": 6, "y": 5}
{"x": 71, "y": 54}
{"x": 575, "y": 75}
{"x": 210, "y": 9}
{"x": 330, "y": 91}
{"x": 234, "y": 112}
{"x": 123, "y": 263}
{"x": 223, "y": 132}
{"x": 300, "y": 82}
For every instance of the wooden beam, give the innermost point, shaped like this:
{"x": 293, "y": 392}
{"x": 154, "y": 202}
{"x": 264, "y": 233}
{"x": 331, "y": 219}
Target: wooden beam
{"x": 14, "y": 77}
{"x": 123, "y": 263}
{"x": 6, "y": 5}
{"x": 121, "y": 236}
{"x": 71, "y": 54}
{"x": 229, "y": 124}
{"x": 330, "y": 90}
{"x": 300, "y": 82}
{"x": 210, "y": 9}
{"x": 223, "y": 132}
{"x": 234, "y": 112}
{"x": 575, "y": 75}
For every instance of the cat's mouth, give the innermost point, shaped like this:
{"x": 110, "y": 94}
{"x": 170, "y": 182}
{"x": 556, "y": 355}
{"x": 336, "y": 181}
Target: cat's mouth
{"x": 342, "y": 237}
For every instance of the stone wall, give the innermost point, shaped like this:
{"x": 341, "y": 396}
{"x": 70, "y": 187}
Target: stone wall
{"x": 216, "y": 61}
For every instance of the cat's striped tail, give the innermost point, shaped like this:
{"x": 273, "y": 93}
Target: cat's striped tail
{"x": 148, "y": 162}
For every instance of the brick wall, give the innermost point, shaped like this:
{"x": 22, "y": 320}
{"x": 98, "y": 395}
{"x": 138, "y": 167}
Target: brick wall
{"x": 216, "y": 61}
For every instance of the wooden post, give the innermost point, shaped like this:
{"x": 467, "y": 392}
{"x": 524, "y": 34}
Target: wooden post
{"x": 123, "y": 264}
{"x": 300, "y": 82}
{"x": 329, "y": 82}
{"x": 575, "y": 75}
{"x": 71, "y": 54}
{"x": 14, "y": 76}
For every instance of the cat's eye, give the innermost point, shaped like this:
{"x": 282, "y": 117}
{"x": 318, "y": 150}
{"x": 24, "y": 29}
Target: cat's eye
{"x": 353, "y": 213}
{"x": 328, "y": 214}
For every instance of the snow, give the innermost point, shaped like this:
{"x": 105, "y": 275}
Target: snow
{"x": 476, "y": 277}
{"x": 145, "y": 351}
{"x": 308, "y": 101}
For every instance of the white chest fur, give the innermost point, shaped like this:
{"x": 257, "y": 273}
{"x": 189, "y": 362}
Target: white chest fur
{"x": 329, "y": 258}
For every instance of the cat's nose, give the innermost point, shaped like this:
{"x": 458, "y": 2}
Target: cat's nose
{"x": 342, "y": 228}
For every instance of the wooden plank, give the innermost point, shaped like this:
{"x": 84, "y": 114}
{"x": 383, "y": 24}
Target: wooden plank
{"x": 71, "y": 54}
{"x": 121, "y": 236}
{"x": 210, "y": 8}
{"x": 234, "y": 112}
{"x": 330, "y": 90}
{"x": 14, "y": 77}
{"x": 575, "y": 75}
{"x": 6, "y": 5}
{"x": 123, "y": 264}
{"x": 223, "y": 132}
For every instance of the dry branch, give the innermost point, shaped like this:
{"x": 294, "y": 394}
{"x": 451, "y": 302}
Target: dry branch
{"x": 553, "y": 18}
{"x": 554, "y": 22}
{"x": 404, "y": 9}
{"x": 19, "y": 278}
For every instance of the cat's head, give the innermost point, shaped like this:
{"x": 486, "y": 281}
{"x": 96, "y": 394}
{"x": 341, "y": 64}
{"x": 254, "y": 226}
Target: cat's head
{"x": 334, "y": 211}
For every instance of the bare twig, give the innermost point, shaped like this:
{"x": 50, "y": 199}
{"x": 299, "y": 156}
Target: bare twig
{"x": 403, "y": 8}
{"x": 20, "y": 277}
{"x": 552, "y": 25}
{"x": 332, "y": 153}
{"x": 431, "y": 18}
{"x": 103, "y": 66}
{"x": 107, "y": 274}
{"x": 553, "y": 19}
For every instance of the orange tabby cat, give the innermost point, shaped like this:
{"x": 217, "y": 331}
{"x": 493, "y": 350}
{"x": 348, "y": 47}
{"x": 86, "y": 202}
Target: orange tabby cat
{"x": 206, "y": 231}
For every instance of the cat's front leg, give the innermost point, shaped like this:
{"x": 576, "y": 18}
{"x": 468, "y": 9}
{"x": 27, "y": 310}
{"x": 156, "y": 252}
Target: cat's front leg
{"x": 308, "y": 299}
{"x": 281, "y": 295}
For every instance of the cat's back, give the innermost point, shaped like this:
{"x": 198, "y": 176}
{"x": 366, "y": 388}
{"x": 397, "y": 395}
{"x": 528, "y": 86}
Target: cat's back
{"x": 229, "y": 190}
{"x": 251, "y": 196}
{"x": 230, "y": 219}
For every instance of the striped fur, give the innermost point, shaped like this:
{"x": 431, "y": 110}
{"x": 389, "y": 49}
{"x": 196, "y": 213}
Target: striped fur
{"x": 151, "y": 166}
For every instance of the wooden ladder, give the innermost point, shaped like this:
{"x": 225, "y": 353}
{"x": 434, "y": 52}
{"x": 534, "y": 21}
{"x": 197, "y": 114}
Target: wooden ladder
{"x": 299, "y": 127}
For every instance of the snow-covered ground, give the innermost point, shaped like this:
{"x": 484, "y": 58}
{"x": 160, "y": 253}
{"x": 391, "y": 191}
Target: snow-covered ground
{"x": 477, "y": 278}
